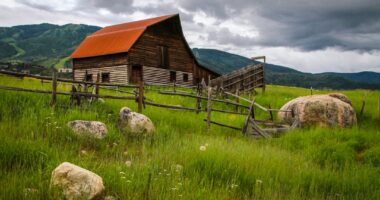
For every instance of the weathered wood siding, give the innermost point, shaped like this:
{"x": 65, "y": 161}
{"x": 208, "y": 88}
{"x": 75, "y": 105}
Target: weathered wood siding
{"x": 115, "y": 64}
{"x": 145, "y": 52}
{"x": 162, "y": 76}
{"x": 100, "y": 61}
{"x": 118, "y": 74}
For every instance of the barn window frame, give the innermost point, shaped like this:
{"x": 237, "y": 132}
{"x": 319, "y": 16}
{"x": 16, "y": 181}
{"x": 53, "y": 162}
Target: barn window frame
{"x": 89, "y": 78}
{"x": 185, "y": 77}
{"x": 173, "y": 76}
{"x": 163, "y": 56}
{"x": 106, "y": 78}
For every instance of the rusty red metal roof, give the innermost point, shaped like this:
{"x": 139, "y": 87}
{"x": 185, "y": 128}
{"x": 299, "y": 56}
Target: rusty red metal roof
{"x": 115, "y": 39}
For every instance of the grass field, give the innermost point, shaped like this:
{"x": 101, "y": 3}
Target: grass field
{"x": 314, "y": 163}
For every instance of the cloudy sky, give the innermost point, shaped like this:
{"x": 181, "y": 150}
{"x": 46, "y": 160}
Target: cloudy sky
{"x": 308, "y": 35}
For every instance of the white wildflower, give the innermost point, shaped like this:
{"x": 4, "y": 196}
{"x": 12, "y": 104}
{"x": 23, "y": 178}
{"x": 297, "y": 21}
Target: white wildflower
{"x": 128, "y": 163}
{"x": 234, "y": 186}
{"x": 178, "y": 168}
{"x": 202, "y": 148}
{"x": 259, "y": 181}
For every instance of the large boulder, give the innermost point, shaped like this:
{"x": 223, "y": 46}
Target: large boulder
{"x": 77, "y": 183}
{"x": 135, "y": 122}
{"x": 92, "y": 128}
{"x": 322, "y": 110}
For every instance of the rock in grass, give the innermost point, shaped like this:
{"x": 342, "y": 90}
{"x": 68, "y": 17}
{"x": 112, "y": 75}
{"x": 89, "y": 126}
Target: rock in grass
{"x": 322, "y": 110}
{"x": 93, "y": 128}
{"x": 77, "y": 183}
{"x": 135, "y": 122}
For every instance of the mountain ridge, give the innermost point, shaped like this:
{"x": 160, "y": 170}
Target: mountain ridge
{"x": 50, "y": 45}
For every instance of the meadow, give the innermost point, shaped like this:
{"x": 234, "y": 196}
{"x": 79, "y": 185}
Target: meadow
{"x": 312, "y": 163}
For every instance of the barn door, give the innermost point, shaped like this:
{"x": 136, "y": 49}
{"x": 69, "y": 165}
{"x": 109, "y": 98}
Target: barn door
{"x": 136, "y": 74}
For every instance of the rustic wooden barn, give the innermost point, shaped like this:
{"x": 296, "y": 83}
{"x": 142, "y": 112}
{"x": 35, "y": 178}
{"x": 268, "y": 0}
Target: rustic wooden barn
{"x": 153, "y": 50}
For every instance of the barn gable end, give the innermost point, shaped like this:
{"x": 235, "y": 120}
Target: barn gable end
{"x": 152, "y": 50}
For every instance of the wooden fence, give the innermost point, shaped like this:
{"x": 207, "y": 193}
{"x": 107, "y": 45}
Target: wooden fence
{"x": 244, "y": 79}
{"x": 81, "y": 89}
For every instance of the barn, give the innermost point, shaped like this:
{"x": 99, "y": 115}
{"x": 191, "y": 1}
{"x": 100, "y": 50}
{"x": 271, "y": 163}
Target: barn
{"x": 153, "y": 50}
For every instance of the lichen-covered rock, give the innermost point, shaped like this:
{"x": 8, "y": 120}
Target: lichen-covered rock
{"x": 322, "y": 110}
{"x": 92, "y": 128}
{"x": 135, "y": 122}
{"x": 77, "y": 183}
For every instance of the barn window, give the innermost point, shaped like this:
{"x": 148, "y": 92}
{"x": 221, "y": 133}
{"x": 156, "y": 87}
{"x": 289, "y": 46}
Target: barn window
{"x": 185, "y": 77}
{"x": 105, "y": 77}
{"x": 173, "y": 76}
{"x": 88, "y": 77}
{"x": 163, "y": 57}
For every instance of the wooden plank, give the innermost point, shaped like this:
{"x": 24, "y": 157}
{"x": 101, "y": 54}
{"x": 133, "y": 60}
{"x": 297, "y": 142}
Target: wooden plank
{"x": 223, "y": 125}
{"x": 245, "y": 127}
{"x": 67, "y": 93}
{"x": 258, "y": 129}
{"x": 64, "y": 80}
{"x": 169, "y": 106}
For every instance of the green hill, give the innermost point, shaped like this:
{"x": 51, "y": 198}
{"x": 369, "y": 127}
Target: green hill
{"x": 43, "y": 44}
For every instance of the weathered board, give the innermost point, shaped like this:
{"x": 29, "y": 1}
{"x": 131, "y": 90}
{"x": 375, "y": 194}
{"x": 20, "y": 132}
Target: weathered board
{"x": 244, "y": 79}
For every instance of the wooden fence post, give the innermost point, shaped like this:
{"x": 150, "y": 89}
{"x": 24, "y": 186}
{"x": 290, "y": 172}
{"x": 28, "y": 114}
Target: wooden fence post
{"x": 54, "y": 89}
{"x": 174, "y": 85}
{"x": 199, "y": 100}
{"x": 363, "y": 104}
{"x": 97, "y": 86}
{"x": 140, "y": 97}
{"x": 209, "y": 104}
{"x": 237, "y": 100}
{"x": 270, "y": 112}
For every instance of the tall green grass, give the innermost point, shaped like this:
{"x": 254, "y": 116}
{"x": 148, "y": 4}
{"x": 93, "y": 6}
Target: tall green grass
{"x": 314, "y": 163}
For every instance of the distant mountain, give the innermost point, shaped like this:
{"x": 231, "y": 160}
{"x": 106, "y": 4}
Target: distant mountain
{"x": 43, "y": 44}
{"x": 50, "y": 45}
{"x": 224, "y": 62}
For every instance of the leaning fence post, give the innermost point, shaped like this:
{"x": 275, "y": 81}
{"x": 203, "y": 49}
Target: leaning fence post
{"x": 209, "y": 104}
{"x": 54, "y": 89}
{"x": 140, "y": 97}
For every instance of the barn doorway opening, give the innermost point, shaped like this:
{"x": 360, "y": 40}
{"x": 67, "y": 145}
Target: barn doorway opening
{"x": 136, "y": 74}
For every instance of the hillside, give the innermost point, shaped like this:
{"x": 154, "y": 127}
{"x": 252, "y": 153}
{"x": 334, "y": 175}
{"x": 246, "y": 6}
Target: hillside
{"x": 42, "y": 44}
{"x": 50, "y": 45}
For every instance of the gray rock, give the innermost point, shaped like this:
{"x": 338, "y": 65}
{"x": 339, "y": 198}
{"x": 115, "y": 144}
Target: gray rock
{"x": 77, "y": 183}
{"x": 321, "y": 110}
{"x": 92, "y": 128}
{"x": 135, "y": 122}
